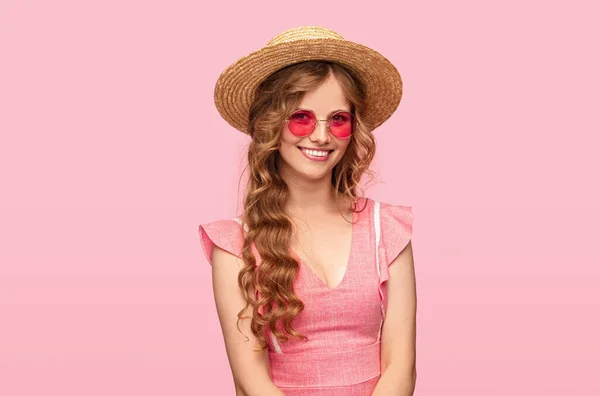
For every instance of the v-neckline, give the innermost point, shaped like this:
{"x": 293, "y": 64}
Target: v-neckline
{"x": 348, "y": 261}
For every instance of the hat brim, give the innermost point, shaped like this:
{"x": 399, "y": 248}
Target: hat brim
{"x": 236, "y": 86}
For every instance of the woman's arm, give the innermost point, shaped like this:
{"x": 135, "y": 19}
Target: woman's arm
{"x": 250, "y": 369}
{"x": 398, "y": 337}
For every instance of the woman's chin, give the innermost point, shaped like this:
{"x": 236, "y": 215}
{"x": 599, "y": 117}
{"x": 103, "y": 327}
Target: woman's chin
{"x": 308, "y": 172}
{"x": 315, "y": 176}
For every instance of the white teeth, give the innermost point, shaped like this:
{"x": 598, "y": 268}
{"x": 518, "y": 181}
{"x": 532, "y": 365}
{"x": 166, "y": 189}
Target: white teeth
{"x": 316, "y": 153}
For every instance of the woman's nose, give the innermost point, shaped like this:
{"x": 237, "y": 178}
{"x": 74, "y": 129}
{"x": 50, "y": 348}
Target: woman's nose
{"x": 320, "y": 133}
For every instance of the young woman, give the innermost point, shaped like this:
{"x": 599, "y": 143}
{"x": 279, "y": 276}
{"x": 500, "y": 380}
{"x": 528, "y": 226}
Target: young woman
{"x": 304, "y": 278}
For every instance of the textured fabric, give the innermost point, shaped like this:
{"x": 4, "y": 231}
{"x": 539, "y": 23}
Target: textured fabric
{"x": 396, "y": 231}
{"x": 342, "y": 355}
{"x": 227, "y": 234}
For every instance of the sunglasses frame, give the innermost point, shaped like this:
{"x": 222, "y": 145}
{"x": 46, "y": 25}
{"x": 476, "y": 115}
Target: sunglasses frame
{"x": 328, "y": 122}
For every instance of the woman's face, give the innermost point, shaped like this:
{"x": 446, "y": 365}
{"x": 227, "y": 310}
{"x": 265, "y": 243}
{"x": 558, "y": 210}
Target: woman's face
{"x": 295, "y": 160}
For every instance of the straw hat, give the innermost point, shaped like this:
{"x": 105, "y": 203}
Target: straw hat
{"x": 236, "y": 86}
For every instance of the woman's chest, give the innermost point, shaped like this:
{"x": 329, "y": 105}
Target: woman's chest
{"x": 326, "y": 250}
{"x": 351, "y": 311}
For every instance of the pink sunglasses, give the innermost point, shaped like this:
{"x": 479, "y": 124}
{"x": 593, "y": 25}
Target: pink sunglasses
{"x": 303, "y": 122}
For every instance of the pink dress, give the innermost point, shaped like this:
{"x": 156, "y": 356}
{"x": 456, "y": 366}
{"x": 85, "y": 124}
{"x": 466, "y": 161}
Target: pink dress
{"x": 342, "y": 355}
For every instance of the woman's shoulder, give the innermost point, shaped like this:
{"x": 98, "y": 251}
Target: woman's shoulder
{"x": 396, "y": 225}
{"x": 395, "y": 215}
{"x": 385, "y": 207}
{"x": 233, "y": 222}
{"x": 226, "y": 233}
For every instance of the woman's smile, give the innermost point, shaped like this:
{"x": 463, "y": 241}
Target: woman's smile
{"x": 315, "y": 154}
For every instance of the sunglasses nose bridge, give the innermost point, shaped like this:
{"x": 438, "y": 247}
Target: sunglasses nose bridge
{"x": 322, "y": 133}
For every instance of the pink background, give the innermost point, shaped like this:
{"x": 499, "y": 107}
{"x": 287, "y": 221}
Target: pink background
{"x": 112, "y": 153}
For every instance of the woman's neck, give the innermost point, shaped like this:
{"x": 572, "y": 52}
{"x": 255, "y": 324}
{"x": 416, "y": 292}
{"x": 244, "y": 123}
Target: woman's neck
{"x": 309, "y": 198}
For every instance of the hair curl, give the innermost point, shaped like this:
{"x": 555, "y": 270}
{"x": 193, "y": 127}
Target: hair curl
{"x": 268, "y": 226}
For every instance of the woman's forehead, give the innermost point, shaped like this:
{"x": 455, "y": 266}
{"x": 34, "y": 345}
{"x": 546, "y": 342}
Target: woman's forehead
{"x": 325, "y": 99}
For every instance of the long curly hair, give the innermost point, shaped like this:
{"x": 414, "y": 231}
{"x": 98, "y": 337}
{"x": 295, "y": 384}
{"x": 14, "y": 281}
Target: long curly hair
{"x": 269, "y": 286}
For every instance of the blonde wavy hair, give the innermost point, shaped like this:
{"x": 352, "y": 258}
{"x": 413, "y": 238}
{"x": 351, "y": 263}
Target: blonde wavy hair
{"x": 268, "y": 226}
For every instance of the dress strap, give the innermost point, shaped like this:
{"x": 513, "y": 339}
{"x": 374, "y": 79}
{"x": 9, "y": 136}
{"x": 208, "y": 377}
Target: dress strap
{"x": 377, "y": 226}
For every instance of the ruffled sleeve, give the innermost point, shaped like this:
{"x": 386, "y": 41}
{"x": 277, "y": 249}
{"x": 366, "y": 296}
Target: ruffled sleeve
{"x": 396, "y": 232}
{"x": 226, "y": 234}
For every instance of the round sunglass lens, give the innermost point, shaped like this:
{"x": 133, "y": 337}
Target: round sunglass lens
{"x": 301, "y": 123}
{"x": 342, "y": 124}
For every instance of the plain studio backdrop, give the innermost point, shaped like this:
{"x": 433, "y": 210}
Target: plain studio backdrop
{"x": 112, "y": 153}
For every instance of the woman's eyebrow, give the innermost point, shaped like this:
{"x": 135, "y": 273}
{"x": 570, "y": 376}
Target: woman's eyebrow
{"x": 328, "y": 115}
